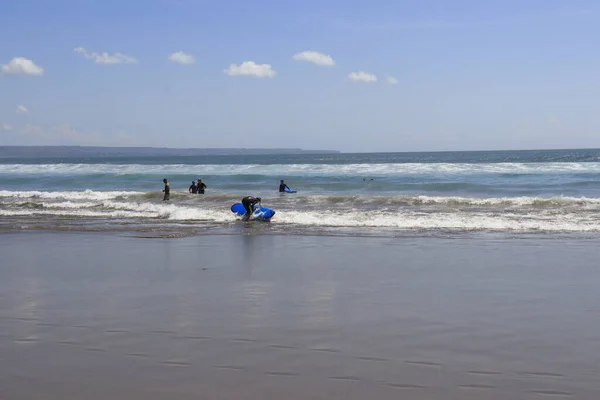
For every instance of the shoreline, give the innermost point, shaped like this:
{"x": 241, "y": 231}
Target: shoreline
{"x": 260, "y": 228}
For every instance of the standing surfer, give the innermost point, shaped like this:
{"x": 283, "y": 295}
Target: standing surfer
{"x": 166, "y": 190}
{"x": 201, "y": 186}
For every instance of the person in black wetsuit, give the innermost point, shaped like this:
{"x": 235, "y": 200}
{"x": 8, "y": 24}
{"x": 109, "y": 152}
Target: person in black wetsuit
{"x": 283, "y": 186}
{"x": 166, "y": 190}
{"x": 193, "y": 188}
{"x": 201, "y": 186}
{"x": 248, "y": 202}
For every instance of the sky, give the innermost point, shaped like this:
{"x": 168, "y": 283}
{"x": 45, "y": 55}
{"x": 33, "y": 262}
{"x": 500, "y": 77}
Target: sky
{"x": 383, "y": 75}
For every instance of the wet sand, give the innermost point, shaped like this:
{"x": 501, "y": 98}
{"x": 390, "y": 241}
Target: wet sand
{"x": 98, "y": 316}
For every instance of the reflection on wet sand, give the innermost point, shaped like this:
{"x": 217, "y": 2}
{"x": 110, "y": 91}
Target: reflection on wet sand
{"x": 297, "y": 317}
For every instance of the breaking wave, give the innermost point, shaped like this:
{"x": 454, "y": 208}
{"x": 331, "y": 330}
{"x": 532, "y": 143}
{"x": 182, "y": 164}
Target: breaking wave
{"x": 516, "y": 214}
{"x": 382, "y": 169}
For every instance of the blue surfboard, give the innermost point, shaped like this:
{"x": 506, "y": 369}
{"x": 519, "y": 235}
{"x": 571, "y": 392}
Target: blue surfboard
{"x": 288, "y": 190}
{"x": 260, "y": 213}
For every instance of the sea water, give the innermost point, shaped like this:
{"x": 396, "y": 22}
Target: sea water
{"x": 531, "y": 192}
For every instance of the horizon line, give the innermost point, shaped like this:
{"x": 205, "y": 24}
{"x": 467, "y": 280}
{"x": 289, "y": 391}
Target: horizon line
{"x": 297, "y": 149}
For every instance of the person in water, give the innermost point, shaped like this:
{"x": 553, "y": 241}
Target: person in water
{"x": 283, "y": 186}
{"x": 248, "y": 202}
{"x": 166, "y": 190}
{"x": 201, "y": 186}
{"x": 193, "y": 188}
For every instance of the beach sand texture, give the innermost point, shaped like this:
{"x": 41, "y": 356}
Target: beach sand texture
{"x": 114, "y": 316}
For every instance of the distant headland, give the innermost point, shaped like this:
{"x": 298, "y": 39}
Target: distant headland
{"x": 92, "y": 151}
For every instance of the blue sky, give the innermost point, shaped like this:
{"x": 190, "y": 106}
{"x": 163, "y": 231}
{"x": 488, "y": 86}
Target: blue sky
{"x": 466, "y": 74}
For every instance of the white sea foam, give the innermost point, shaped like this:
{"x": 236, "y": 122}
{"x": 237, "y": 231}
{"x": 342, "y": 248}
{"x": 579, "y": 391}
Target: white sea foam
{"x": 302, "y": 169}
{"x": 175, "y": 212}
{"x": 569, "y": 222}
{"x": 454, "y": 219}
{"x": 554, "y": 214}
{"x": 506, "y": 201}
{"x": 445, "y": 221}
{"x": 68, "y": 195}
{"x": 77, "y": 213}
{"x": 75, "y": 199}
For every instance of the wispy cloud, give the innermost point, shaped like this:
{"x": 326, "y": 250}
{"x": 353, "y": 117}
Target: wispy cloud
{"x": 21, "y": 109}
{"x": 105, "y": 58}
{"x": 316, "y": 58}
{"x": 362, "y": 76}
{"x": 7, "y": 127}
{"x": 22, "y": 66}
{"x": 250, "y": 68}
{"x": 391, "y": 80}
{"x": 182, "y": 58}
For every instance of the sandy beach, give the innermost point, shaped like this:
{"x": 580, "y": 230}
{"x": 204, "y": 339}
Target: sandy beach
{"x": 100, "y": 315}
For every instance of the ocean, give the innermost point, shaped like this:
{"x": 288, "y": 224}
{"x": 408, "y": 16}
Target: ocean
{"x": 379, "y": 194}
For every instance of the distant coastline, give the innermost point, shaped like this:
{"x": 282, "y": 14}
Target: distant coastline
{"x": 93, "y": 151}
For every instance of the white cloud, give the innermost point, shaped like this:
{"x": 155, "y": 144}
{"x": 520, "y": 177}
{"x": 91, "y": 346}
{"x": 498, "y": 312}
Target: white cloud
{"x": 361, "y": 76}
{"x": 7, "y": 127}
{"x": 21, "y": 109}
{"x": 105, "y": 58}
{"x": 250, "y": 68}
{"x": 182, "y": 58}
{"x": 315, "y": 58}
{"x": 391, "y": 80}
{"x": 20, "y": 65}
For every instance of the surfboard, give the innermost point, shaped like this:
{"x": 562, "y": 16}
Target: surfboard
{"x": 288, "y": 190}
{"x": 260, "y": 213}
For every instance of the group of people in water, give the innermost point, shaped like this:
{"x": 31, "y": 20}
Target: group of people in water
{"x": 195, "y": 188}
{"x": 198, "y": 188}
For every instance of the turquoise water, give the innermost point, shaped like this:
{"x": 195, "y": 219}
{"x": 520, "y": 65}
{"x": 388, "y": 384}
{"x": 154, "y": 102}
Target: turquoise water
{"x": 523, "y": 191}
